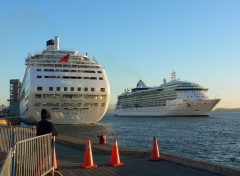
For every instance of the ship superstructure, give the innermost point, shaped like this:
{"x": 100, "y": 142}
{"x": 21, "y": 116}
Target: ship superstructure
{"x": 73, "y": 87}
{"x": 173, "y": 98}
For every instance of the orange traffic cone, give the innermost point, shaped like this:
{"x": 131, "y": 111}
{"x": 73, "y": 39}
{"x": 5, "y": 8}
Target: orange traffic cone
{"x": 115, "y": 159}
{"x": 55, "y": 160}
{"x": 155, "y": 152}
{"x": 88, "y": 159}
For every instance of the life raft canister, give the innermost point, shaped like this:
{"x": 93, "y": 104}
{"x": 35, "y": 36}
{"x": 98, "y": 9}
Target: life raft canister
{"x": 102, "y": 139}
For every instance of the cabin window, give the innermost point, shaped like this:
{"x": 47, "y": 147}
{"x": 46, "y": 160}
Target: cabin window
{"x": 50, "y": 104}
{"x": 72, "y": 88}
{"x": 65, "y": 88}
{"x": 88, "y": 71}
{"x": 99, "y": 71}
{"x": 37, "y": 104}
{"x": 100, "y": 78}
{"x": 102, "y": 89}
{"x": 103, "y": 105}
{"x": 79, "y": 88}
{"x": 39, "y": 88}
{"x": 39, "y": 69}
{"x": 38, "y": 96}
{"x": 92, "y": 89}
{"x": 39, "y": 76}
{"x": 58, "y": 88}
{"x": 85, "y": 89}
{"x": 50, "y": 88}
{"x": 51, "y": 96}
{"x": 67, "y": 96}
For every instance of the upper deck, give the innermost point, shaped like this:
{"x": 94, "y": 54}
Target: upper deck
{"x": 52, "y": 57}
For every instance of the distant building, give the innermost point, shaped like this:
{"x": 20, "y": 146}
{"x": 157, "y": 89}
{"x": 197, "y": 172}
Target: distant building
{"x": 14, "y": 97}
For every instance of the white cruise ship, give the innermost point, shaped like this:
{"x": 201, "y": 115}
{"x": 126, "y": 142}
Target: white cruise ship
{"x": 73, "y": 87}
{"x": 174, "y": 98}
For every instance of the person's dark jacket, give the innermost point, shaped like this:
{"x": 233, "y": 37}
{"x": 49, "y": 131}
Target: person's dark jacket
{"x": 45, "y": 126}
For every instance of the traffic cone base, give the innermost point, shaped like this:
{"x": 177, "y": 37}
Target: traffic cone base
{"x": 117, "y": 164}
{"x": 155, "y": 159}
{"x": 89, "y": 166}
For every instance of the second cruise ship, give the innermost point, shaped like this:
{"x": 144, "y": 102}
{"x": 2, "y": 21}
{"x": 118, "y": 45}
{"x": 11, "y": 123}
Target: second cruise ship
{"x": 73, "y": 87}
{"x": 174, "y": 98}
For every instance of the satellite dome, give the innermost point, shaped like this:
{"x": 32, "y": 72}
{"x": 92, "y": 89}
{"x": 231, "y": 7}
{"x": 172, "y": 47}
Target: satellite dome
{"x": 141, "y": 84}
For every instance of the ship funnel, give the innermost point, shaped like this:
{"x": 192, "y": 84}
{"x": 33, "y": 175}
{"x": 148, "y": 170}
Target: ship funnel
{"x": 57, "y": 42}
{"x": 50, "y": 44}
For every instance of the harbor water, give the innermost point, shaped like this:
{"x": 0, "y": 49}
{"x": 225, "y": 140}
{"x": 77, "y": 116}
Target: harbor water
{"x": 215, "y": 138}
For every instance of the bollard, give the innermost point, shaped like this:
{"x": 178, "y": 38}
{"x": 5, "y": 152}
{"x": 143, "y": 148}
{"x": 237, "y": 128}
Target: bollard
{"x": 102, "y": 139}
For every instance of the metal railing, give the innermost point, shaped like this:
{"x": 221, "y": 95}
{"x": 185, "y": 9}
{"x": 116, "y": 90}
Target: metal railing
{"x": 27, "y": 155}
{"x": 33, "y": 156}
{"x": 6, "y": 136}
{"x": 7, "y": 165}
{"x": 22, "y": 133}
{"x": 9, "y": 135}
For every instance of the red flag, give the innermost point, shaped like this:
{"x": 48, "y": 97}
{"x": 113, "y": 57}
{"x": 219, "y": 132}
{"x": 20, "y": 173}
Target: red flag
{"x": 65, "y": 58}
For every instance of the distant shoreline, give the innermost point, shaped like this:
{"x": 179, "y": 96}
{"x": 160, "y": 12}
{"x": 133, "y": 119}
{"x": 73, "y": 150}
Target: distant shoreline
{"x": 227, "y": 110}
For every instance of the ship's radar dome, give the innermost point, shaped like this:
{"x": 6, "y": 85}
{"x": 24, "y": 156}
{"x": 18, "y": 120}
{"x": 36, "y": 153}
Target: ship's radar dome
{"x": 141, "y": 84}
{"x": 164, "y": 81}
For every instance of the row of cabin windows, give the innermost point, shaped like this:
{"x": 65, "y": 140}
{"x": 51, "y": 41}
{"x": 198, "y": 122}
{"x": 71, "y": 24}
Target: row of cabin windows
{"x": 70, "y": 96}
{"x": 190, "y": 91}
{"x": 59, "y": 70}
{"x": 86, "y": 89}
{"x": 138, "y": 105}
{"x": 196, "y": 96}
{"x": 71, "y": 105}
{"x": 43, "y": 64}
{"x": 70, "y": 77}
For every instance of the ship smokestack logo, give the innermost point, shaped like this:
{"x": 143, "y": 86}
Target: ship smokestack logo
{"x": 53, "y": 44}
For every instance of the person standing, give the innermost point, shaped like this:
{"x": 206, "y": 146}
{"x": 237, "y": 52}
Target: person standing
{"x": 45, "y": 126}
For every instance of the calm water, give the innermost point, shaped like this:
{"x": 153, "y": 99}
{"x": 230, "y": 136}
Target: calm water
{"x": 215, "y": 138}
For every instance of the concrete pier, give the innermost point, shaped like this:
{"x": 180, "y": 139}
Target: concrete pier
{"x": 70, "y": 154}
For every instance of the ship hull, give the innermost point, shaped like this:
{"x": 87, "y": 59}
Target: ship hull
{"x": 84, "y": 116}
{"x": 172, "y": 108}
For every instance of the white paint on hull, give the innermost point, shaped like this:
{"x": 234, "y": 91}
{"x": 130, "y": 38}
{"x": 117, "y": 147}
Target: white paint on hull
{"x": 84, "y": 116}
{"x": 173, "y": 108}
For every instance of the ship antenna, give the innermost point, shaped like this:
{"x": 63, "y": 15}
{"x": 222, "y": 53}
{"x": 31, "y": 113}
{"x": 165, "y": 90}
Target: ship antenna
{"x": 174, "y": 75}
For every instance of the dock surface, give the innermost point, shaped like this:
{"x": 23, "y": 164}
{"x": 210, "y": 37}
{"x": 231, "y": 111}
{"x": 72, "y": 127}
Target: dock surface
{"x": 70, "y": 160}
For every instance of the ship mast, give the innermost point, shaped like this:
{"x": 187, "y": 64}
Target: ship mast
{"x": 173, "y": 76}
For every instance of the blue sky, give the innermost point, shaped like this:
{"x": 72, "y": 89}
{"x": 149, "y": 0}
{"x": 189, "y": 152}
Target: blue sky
{"x": 132, "y": 39}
